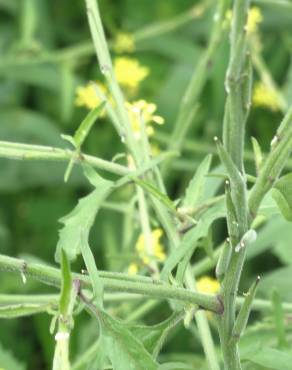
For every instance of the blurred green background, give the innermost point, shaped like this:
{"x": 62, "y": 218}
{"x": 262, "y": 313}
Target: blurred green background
{"x": 45, "y": 54}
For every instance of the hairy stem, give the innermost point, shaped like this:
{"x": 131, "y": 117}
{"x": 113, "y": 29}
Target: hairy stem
{"x": 29, "y": 152}
{"x": 143, "y": 286}
{"x": 233, "y": 139}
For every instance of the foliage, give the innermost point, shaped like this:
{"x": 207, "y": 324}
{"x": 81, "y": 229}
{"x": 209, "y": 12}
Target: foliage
{"x": 177, "y": 224}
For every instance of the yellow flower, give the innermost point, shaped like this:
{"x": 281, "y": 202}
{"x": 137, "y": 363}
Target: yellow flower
{"x": 86, "y": 96}
{"x": 124, "y": 43}
{"x": 156, "y": 245}
{"x": 208, "y": 285}
{"x": 145, "y": 259}
{"x": 133, "y": 269}
{"x": 129, "y": 72}
{"x": 264, "y": 96}
{"x": 142, "y": 112}
{"x": 255, "y": 17}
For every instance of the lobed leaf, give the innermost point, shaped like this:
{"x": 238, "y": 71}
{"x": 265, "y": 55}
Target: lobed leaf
{"x": 124, "y": 350}
{"x": 154, "y": 336}
{"x": 78, "y": 222}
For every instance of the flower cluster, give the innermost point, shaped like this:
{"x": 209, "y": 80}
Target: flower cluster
{"x": 129, "y": 72}
{"x": 265, "y": 97}
{"x": 140, "y": 112}
{"x": 158, "y": 253}
{"x": 86, "y": 96}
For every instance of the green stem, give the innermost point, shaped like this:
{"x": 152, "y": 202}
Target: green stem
{"x": 28, "y": 298}
{"x": 46, "y": 153}
{"x": 203, "y": 327}
{"x": 261, "y": 305}
{"x": 106, "y": 67}
{"x": 189, "y": 103}
{"x": 232, "y": 156}
{"x": 163, "y": 27}
{"x": 52, "y": 276}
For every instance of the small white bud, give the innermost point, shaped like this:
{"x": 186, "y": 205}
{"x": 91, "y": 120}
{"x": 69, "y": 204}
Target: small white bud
{"x": 61, "y": 336}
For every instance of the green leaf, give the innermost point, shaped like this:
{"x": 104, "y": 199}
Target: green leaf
{"x": 66, "y": 284}
{"x": 268, "y": 206}
{"x": 92, "y": 270}
{"x": 272, "y": 358}
{"x": 86, "y": 125}
{"x": 279, "y": 279}
{"x": 8, "y": 361}
{"x": 223, "y": 261}
{"x": 237, "y": 183}
{"x": 154, "y": 336}
{"x": 81, "y": 134}
{"x": 163, "y": 198}
{"x": 207, "y": 244}
{"x": 77, "y": 223}
{"x": 233, "y": 173}
{"x": 124, "y": 350}
{"x": 19, "y": 310}
{"x": 282, "y": 194}
{"x": 258, "y": 155}
{"x": 279, "y": 319}
{"x": 191, "y": 237}
{"x": 268, "y": 238}
{"x": 68, "y": 293}
{"x": 175, "y": 366}
{"x": 69, "y": 139}
{"x": 243, "y": 315}
{"x": 195, "y": 189}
